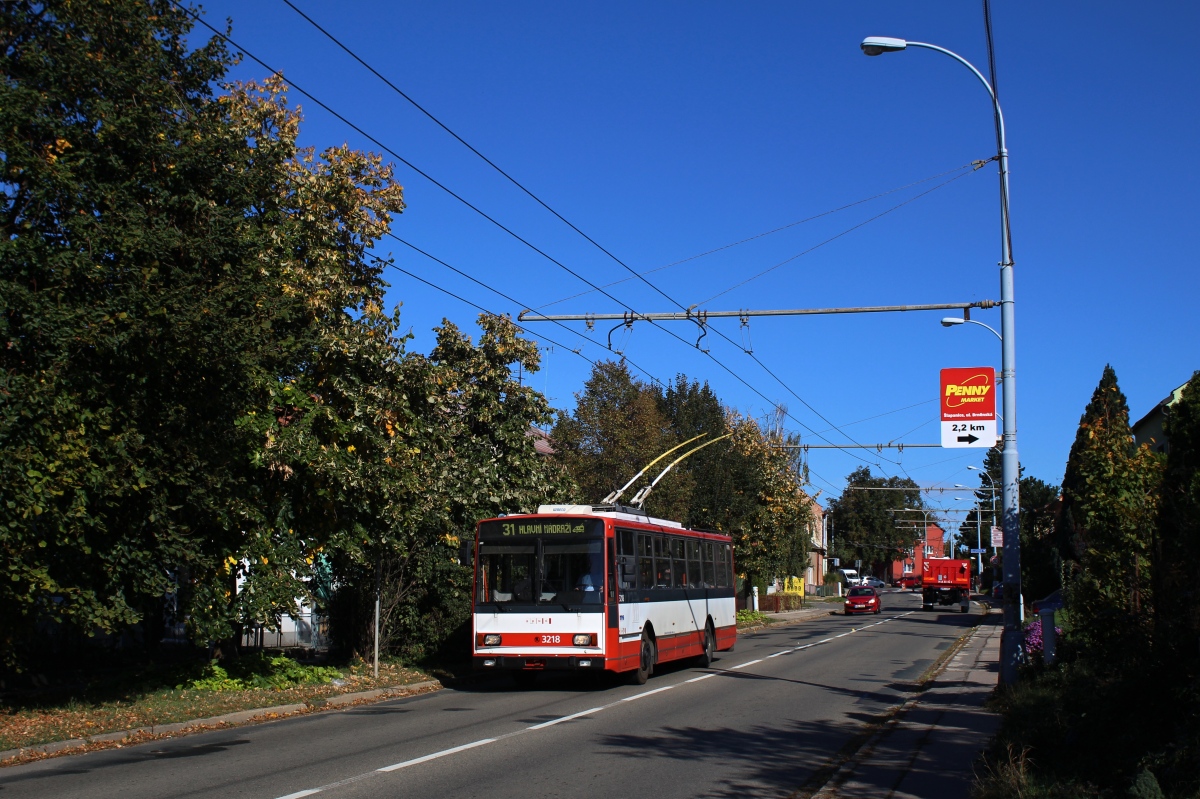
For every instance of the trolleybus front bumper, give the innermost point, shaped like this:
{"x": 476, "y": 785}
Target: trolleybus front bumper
{"x": 539, "y": 663}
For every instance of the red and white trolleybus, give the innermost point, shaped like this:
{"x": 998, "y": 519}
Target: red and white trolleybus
{"x": 598, "y": 588}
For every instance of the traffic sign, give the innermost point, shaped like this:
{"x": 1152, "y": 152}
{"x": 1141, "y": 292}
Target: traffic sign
{"x": 978, "y": 551}
{"x": 968, "y": 402}
{"x": 997, "y": 536}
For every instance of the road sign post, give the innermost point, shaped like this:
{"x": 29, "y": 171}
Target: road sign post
{"x": 968, "y": 403}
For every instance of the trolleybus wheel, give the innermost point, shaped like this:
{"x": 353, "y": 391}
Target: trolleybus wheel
{"x": 709, "y": 654}
{"x": 645, "y": 661}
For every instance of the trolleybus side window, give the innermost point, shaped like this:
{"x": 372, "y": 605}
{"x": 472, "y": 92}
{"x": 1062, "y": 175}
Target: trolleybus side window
{"x": 695, "y": 577}
{"x": 612, "y": 571}
{"x": 710, "y": 568}
{"x": 662, "y": 562}
{"x": 627, "y": 559}
{"x": 645, "y": 561}
{"x": 679, "y": 562}
{"x": 722, "y": 566}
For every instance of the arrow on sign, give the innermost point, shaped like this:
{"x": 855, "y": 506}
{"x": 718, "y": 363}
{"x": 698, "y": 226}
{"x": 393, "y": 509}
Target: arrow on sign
{"x": 968, "y": 439}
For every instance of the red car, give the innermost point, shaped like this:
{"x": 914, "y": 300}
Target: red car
{"x": 910, "y": 580}
{"x": 863, "y": 599}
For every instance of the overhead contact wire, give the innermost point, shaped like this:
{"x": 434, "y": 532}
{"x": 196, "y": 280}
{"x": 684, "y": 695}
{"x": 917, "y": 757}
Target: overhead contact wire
{"x": 512, "y": 233}
{"x": 559, "y": 216}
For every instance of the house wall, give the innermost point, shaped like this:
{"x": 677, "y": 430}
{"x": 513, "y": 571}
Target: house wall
{"x": 933, "y": 543}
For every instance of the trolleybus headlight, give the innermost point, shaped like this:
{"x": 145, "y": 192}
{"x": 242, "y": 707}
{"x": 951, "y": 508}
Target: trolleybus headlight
{"x": 491, "y": 640}
{"x": 490, "y": 662}
{"x": 582, "y": 640}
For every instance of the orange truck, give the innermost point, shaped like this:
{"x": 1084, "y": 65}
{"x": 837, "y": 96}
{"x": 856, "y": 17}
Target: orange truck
{"x": 946, "y": 581}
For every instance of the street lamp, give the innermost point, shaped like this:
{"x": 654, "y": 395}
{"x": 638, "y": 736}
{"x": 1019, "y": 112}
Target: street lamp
{"x": 951, "y": 321}
{"x": 978, "y": 534}
{"x": 1012, "y": 640}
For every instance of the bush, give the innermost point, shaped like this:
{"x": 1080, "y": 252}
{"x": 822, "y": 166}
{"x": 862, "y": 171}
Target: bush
{"x": 751, "y": 617}
{"x": 258, "y": 671}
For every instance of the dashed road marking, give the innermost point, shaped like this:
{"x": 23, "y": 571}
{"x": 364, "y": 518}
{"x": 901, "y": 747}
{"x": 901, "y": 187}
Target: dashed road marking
{"x": 543, "y": 725}
{"x": 436, "y": 755}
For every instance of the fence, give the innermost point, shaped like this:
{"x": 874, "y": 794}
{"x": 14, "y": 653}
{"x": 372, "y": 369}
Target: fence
{"x": 310, "y": 631}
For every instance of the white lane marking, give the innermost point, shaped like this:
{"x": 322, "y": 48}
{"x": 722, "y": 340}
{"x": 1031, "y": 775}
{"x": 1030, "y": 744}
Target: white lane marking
{"x": 648, "y": 693}
{"x": 545, "y": 724}
{"x": 777, "y": 654}
{"x": 436, "y": 755}
{"x": 474, "y": 744}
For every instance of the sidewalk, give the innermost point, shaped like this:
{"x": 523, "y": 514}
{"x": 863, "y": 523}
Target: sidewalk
{"x": 929, "y": 749}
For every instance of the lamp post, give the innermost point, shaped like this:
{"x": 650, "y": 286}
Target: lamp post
{"x": 1012, "y": 640}
{"x": 991, "y": 484}
{"x": 951, "y": 321}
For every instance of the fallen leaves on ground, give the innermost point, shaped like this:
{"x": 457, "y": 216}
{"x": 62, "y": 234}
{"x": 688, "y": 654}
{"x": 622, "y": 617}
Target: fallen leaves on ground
{"x": 76, "y": 719}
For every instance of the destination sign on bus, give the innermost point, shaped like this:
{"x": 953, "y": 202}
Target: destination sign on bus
{"x": 499, "y": 528}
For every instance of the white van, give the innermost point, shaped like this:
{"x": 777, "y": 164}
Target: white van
{"x": 849, "y": 575}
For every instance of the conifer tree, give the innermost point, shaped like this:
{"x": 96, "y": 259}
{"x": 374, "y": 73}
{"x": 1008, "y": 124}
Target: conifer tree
{"x": 1110, "y": 495}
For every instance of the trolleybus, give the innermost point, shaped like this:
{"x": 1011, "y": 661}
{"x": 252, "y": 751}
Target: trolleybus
{"x": 598, "y": 588}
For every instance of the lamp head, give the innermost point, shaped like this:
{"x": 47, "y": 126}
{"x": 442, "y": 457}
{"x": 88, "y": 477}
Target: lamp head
{"x": 876, "y": 45}
{"x": 951, "y": 321}
{"x": 973, "y": 468}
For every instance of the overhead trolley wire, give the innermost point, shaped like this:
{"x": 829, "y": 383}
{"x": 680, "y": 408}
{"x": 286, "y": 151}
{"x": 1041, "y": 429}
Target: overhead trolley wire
{"x": 596, "y": 244}
{"x": 512, "y": 233}
{"x": 399, "y": 157}
{"x": 604, "y": 250}
{"x": 487, "y": 160}
{"x": 838, "y": 236}
{"x": 475, "y": 305}
{"x": 765, "y": 233}
{"x": 499, "y": 293}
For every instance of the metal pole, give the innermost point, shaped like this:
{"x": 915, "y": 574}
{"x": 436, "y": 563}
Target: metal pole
{"x": 629, "y": 317}
{"x": 378, "y": 580}
{"x": 1012, "y": 640}
{"x": 979, "y": 544}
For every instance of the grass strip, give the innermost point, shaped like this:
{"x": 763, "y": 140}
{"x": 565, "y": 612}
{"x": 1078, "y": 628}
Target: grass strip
{"x": 40, "y": 722}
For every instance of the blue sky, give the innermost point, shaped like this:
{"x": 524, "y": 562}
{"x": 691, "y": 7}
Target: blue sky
{"x": 665, "y": 130}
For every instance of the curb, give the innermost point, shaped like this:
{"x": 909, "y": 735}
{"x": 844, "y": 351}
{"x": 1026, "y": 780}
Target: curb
{"x": 259, "y": 714}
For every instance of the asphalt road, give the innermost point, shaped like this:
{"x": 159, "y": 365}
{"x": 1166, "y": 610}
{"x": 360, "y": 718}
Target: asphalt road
{"x": 761, "y": 722}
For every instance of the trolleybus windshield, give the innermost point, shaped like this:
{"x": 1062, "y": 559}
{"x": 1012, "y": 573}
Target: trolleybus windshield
{"x": 530, "y": 566}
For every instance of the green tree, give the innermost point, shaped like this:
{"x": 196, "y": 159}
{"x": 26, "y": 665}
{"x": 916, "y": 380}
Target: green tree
{"x": 183, "y": 293}
{"x": 1041, "y": 564}
{"x": 1041, "y": 560}
{"x": 466, "y": 443}
{"x": 1178, "y": 542}
{"x": 618, "y": 428}
{"x": 1110, "y": 497}
{"x": 692, "y": 410}
{"x": 769, "y": 517}
{"x": 865, "y": 523}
